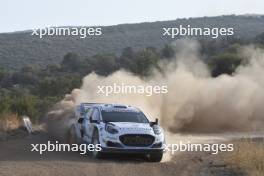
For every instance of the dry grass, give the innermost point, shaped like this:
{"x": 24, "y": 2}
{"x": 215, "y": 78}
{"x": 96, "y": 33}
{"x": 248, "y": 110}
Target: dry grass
{"x": 248, "y": 156}
{"x": 9, "y": 122}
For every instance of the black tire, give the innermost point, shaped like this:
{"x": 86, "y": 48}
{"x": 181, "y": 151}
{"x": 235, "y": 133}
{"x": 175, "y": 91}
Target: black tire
{"x": 95, "y": 141}
{"x": 154, "y": 157}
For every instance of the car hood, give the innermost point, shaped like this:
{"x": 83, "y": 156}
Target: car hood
{"x": 130, "y": 126}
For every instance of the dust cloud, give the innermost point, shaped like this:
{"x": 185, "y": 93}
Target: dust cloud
{"x": 195, "y": 102}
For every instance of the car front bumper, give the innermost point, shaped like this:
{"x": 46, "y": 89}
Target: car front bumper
{"x": 131, "y": 150}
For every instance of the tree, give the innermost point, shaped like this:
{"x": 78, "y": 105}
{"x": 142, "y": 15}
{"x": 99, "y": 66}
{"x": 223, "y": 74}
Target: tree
{"x": 71, "y": 62}
{"x": 145, "y": 60}
{"x": 58, "y": 86}
{"x": 224, "y": 64}
{"x": 167, "y": 52}
{"x": 128, "y": 52}
{"x": 104, "y": 64}
{"x": 126, "y": 60}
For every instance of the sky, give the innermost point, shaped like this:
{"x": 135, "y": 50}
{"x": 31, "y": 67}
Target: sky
{"x": 18, "y": 15}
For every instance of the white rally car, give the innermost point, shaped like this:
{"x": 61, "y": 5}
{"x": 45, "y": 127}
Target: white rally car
{"x": 118, "y": 129}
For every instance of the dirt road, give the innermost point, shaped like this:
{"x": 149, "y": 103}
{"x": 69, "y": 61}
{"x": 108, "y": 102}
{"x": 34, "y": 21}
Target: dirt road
{"x": 17, "y": 159}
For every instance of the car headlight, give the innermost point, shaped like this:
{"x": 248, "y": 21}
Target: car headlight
{"x": 157, "y": 129}
{"x": 110, "y": 129}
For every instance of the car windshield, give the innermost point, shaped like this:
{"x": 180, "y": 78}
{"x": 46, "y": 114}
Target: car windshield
{"x": 112, "y": 116}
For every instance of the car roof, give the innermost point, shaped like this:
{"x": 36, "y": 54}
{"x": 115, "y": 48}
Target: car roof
{"x": 112, "y": 107}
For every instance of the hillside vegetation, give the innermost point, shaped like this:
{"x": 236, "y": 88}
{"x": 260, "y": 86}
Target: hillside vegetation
{"x": 36, "y": 73}
{"x": 18, "y": 49}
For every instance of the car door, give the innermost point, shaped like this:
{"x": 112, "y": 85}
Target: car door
{"x": 96, "y": 118}
{"x": 86, "y": 125}
{"x": 89, "y": 127}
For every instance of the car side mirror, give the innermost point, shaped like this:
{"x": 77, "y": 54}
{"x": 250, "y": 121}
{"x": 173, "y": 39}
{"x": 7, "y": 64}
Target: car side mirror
{"x": 154, "y": 123}
{"x": 80, "y": 120}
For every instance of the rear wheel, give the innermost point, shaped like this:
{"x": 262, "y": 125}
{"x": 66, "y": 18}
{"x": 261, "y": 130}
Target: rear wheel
{"x": 95, "y": 142}
{"x": 154, "y": 157}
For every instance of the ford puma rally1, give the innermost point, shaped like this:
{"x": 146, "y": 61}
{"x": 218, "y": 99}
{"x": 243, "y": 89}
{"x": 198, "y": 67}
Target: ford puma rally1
{"x": 117, "y": 129}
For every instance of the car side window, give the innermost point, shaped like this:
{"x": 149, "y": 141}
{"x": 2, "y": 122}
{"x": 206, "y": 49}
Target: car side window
{"x": 96, "y": 115}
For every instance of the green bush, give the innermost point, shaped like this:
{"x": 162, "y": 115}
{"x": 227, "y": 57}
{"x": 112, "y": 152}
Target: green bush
{"x": 225, "y": 63}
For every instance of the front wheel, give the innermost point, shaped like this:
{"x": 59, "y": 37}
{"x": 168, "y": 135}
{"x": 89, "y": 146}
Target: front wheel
{"x": 95, "y": 142}
{"x": 154, "y": 157}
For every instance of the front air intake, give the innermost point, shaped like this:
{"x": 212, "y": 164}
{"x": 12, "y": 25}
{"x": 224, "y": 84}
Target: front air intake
{"x": 137, "y": 140}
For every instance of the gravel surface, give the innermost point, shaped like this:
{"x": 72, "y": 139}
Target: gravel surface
{"x": 16, "y": 159}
